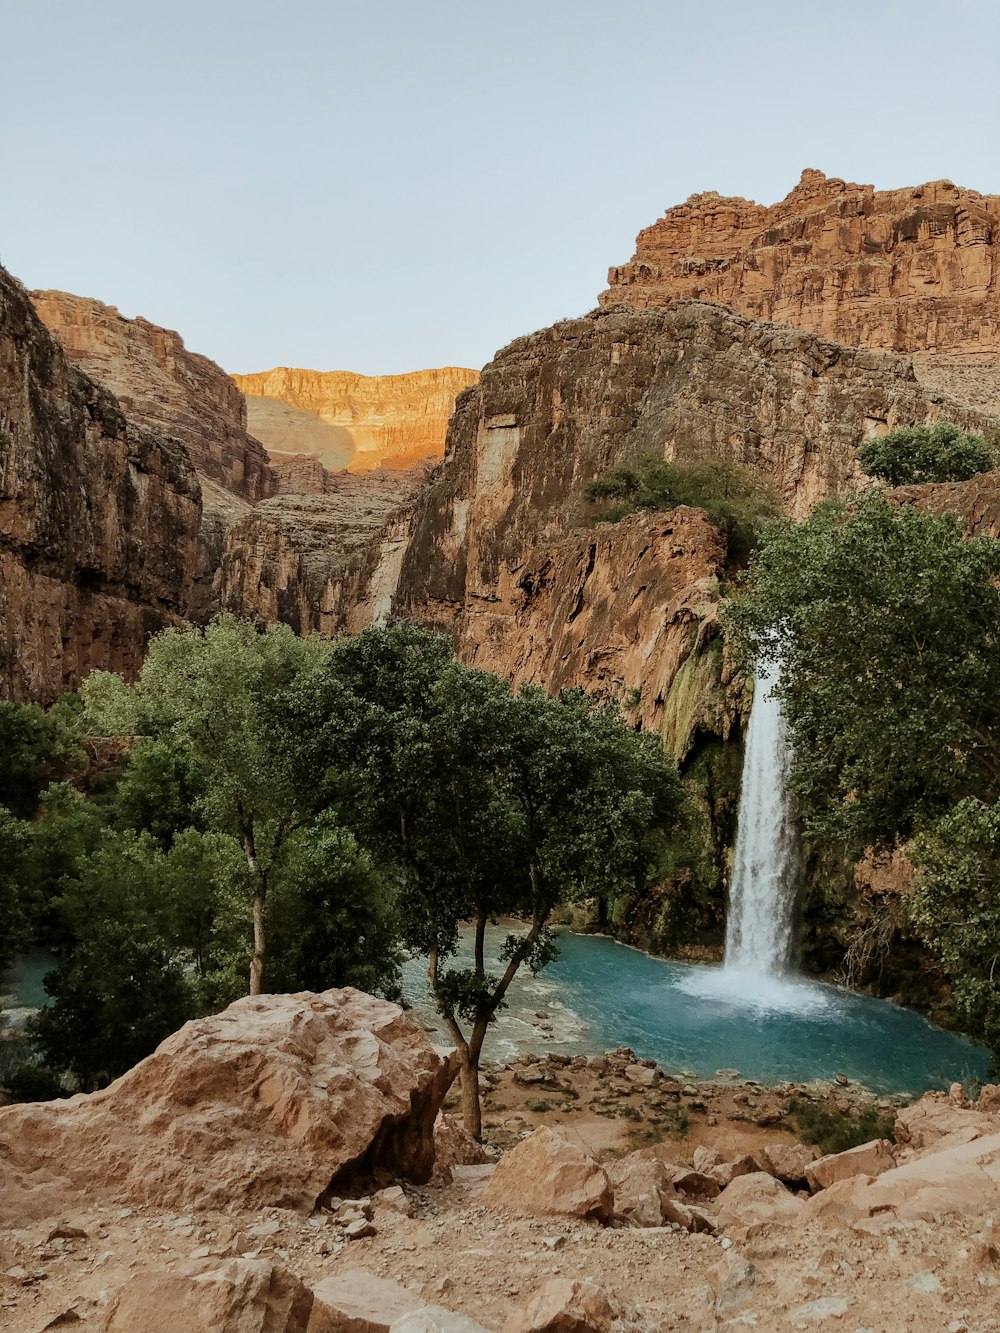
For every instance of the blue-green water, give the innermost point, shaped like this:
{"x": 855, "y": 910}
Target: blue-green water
{"x": 21, "y": 988}
{"x": 600, "y": 994}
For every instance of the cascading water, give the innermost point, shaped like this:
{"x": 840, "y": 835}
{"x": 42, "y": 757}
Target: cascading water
{"x": 760, "y": 931}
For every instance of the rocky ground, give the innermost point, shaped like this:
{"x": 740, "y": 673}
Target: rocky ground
{"x": 461, "y": 1242}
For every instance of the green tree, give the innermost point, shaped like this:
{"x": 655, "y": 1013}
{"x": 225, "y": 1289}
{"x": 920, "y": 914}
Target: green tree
{"x": 737, "y": 500}
{"x": 161, "y": 789}
{"x": 15, "y": 923}
{"x": 36, "y": 748}
{"x": 492, "y": 805}
{"x": 885, "y": 618}
{"x": 916, "y": 454}
{"x": 219, "y": 694}
{"x": 957, "y": 909}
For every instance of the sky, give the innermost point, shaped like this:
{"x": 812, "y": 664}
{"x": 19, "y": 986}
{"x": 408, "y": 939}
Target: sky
{"x": 383, "y": 186}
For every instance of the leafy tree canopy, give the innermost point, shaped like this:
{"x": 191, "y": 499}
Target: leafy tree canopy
{"x": 886, "y": 621}
{"x": 915, "y": 454}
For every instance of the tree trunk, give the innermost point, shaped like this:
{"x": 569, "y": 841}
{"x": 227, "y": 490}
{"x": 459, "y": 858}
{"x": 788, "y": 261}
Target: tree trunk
{"x": 259, "y": 943}
{"x": 472, "y": 1111}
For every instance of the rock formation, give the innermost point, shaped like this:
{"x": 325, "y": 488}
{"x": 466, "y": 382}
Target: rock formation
{"x": 354, "y": 421}
{"x": 160, "y": 384}
{"x": 913, "y": 270}
{"x": 271, "y": 1102}
{"x": 99, "y": 518}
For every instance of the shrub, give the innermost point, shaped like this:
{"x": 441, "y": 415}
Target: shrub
{"x": 736, "y": 500}
{"x": 917, "y": 454}
{"x": 832, "y": 1131}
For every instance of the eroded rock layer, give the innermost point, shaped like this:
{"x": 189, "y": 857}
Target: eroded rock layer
{"x": 914, "y": 270}
{"x": 99, "y": 518}
{"x": 353, "y": 421}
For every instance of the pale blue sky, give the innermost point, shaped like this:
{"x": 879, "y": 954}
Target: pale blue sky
{"x": 380, "y": 186}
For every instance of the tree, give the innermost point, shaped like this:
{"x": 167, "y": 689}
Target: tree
{"x": 493, "y": 804}
{"x": 885, "y": 619}
{"x": 36, "y": 748}
{"x": 15, "y": 929}
{"x": 219, "y": 693}
{"x": 738, "y": 501}
{"x": 915, "y": 454}
{"x": 957, "y": 909}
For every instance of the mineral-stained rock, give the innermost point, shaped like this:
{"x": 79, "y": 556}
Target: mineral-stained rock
{"x": 354, "y": 421}
{"x": 868, "y": 1159}
{"x": 354, "y": 1301}
{"x": 162, "y": 385}
{"x": 99, "y": 518}
{"x": 269, "y": 1103}
{"x": 245, "y": 1296}
{"x": 754, "y": 1201}
{"x": 912, "y": 269}
{"x": 564, "y": 1305}
{"x": 546, "y": 1175}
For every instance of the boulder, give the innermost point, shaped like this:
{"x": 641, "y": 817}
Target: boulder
{"x": 563, "y": 1305}
{"x": 358, "y": 1302}
{"x": 868, "y": 1159}
{"x": 963, "y": 1180}
{"x": 454, "y": 1147}
{"x": 788, "y": 1161}
{"x": 705, "y": 1158}
{"x": 735, "y": 1279}
{"x": 245, "y": 1296}
{"x": 726, "y": 1172}
{"x": 434, "y": 1319}
{"x": 267, "y": 1104}
{"x": 695, "y": 1184}
{"x": 937, "y": 1116}
{"x": 754, "y": 1201}
{"x": 640, "y": 1181}
{"x": 545, "y": 1175}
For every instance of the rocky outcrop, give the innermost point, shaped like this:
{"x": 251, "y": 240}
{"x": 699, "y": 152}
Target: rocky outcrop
{"x": 243, "y": 1296}
{"x": 547, "y": 1176}
{"x": 160, "y": 384}
{"x": 99, "y": 518}
{"x": 354, "y": 421}
{"x": 915, "y": 270}
{"x": 270, "y": 1103}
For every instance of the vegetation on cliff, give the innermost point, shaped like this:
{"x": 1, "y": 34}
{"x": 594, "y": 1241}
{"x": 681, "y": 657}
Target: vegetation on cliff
{"x": 916, "y": 454}
{"x": 737, "y": 500}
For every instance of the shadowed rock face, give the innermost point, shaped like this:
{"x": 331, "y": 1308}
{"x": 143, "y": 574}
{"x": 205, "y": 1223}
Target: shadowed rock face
{"x": 354, "y": 421}
{"x": 99, "y": 518}
{"x": 915, "y": 270}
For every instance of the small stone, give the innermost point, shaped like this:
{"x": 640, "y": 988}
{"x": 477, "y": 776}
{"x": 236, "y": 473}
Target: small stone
{"x": 359, "y": 1230}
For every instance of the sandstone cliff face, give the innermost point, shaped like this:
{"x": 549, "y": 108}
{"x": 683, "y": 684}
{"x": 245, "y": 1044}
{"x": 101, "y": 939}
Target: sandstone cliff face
{"x": 160, "y": 384}
{"x": 354, "y": 421}
{"x": 99, "y": 518}
{"x": 495, "y": 552}
{"x": 913, "y": 270}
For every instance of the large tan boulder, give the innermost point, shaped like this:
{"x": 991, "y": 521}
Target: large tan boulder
{"x": 563, "y": 1305}
{"x": 868, "y": 1159}
{"x": 754, "y": 1201}
{"x": 963, "y": 1180}
{"x": 640, "y": 1182}
{"x": 435, "y": 1319}
{"x": 788, "y": 1161}
{"x": 937, "y": 1116}
{"x": 358, "y": 1302}
{"x": 266, "y": 1104}
{"x": 545, "y": 1175}
{"x": 245, "y": 1296}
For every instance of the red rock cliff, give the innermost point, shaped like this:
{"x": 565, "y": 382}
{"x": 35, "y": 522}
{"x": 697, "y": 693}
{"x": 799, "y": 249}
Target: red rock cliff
{"x": 99, "y": 518}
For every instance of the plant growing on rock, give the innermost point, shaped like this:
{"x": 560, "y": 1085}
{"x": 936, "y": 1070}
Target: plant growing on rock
{"x": 915, "y": 454}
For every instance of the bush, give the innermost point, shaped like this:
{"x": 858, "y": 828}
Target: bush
{"x": 832, "y": 1132}
{"x": 916, "y": 454}
{"x": 736, "y": 500}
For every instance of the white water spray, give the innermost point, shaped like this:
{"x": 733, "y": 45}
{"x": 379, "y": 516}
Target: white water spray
{"x": 760, "y": 931}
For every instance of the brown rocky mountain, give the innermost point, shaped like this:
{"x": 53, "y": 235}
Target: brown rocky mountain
{"x": 99, "y": 518}
{"x": 913, "y": 270}
{"x": 355, "y": 421}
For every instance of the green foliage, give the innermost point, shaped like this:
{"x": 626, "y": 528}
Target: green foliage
{"x": 916, "y": 454}
{"x": 162, "y": 789}
{"x": 886, "y": 619}
{"x": 15, "y": 933}
{"x": 957, "y": 909}
{"x": 833, "y": 1132}
{"x": 36, "y": 748}
{"x": 737, "y": 500}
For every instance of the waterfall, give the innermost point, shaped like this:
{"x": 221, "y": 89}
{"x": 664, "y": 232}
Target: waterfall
{"x": 760, "y": 931}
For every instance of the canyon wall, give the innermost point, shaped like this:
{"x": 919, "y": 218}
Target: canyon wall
{"x": 354, "y": 421}
{"x": 914, "y": 270}
{"x": 99, "y": 518}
